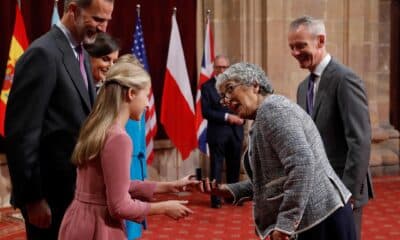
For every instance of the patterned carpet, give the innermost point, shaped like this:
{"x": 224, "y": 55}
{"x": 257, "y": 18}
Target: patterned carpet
{"x": 381, "y": 219}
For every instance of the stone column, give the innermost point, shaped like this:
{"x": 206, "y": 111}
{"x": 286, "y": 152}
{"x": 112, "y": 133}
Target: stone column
{"x": 369, "y": 44}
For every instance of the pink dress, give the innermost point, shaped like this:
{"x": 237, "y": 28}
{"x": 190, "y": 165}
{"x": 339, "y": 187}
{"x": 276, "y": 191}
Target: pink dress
{"x": 105, "y": 196}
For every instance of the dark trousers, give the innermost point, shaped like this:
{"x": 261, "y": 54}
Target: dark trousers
{"x": 338, "y": 226}
{"x": 357, "y": 212}
{"x": 57, "y": 214}
{"x": 229, "y": 148}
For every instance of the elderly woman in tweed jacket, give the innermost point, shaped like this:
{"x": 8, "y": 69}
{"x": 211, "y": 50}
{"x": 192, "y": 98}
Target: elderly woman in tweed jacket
{"x": 295, "y": 191}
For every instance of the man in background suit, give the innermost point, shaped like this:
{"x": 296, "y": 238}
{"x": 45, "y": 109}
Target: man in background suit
{"x": 335, "y": 98}
{"x": 51, "y": 96}
{"x": 224, "y": 131}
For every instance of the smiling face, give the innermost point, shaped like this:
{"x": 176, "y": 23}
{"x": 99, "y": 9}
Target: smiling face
{"x": 240, "y": 98}
{"x": 307, "y": 48}
{"x": 91, "y": 20}
{"x": 101, "y": 65}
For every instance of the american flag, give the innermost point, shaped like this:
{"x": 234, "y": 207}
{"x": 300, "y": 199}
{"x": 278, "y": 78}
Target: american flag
{"x": 150, "y": 117}
{"x": 205, "y": 74}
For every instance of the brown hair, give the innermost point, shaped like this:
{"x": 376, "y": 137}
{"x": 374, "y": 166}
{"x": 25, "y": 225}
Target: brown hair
{"x": 80, "y": 3}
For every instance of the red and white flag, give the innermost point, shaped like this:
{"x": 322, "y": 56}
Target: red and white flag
{"x": 177, "y": 109}
{"x": 205, "y": 74}
{"x": 151, "y": 128}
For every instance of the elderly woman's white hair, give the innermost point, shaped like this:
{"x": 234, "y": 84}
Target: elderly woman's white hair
{"x": 247, "y": 74}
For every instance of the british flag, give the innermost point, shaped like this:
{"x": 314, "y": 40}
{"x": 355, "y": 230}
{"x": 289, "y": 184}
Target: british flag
{"x": 205, "y": 74}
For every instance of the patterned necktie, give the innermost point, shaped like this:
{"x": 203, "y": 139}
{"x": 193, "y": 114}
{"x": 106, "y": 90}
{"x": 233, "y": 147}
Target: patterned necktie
{"x": 310, "y": 94}
{"x": 82, "y": 64}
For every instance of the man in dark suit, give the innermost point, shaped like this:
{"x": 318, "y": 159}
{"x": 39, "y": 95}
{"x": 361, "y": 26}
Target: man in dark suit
{"x": 224, "y": 131}
{"x": 51, "y": 96}
{"x": 335, "y": 98}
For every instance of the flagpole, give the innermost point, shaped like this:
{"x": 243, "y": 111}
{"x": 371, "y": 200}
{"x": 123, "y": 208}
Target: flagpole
{"x": 176, "y": 149}
{"x": 138, "y": 9}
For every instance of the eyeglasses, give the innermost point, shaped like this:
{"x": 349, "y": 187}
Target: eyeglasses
{"x": 221, "y": 67}
{"x": 226, "y": 96}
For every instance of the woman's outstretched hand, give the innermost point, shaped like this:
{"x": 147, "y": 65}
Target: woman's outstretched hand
{"x": 217, "y": 189}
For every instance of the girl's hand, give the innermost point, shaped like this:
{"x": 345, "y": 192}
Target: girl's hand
{"x": 276, "y": 235}
{"x": 176, "y": 209}
{"x": 186, "y": 184}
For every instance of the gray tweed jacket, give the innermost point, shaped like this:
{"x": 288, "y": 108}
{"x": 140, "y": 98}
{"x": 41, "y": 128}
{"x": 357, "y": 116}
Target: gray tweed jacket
{"x": 292, "y": 183}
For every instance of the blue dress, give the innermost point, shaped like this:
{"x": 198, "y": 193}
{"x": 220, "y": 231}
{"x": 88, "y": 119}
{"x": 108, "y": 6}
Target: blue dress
{"x": 137, "y": 132}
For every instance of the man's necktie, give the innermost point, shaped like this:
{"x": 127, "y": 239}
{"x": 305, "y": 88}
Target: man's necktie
{"x": 81, "y": 58}
{"x": 310, "y": 94}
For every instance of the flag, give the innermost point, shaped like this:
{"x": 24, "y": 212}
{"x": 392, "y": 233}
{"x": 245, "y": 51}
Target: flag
{"x": 177, "y": 109}
{"x": 55, "y": 17}
{"x": 19, "y": 42}
{"x": 150, "y": 116}
{"x": 205, "y": 74}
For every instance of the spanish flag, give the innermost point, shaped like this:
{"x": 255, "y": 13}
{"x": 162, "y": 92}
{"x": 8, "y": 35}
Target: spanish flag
{"x": 19, "y": 43}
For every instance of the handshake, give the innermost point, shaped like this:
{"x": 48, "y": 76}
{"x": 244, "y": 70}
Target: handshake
{"x": 213, "y": 187}
{"x": 176, "y": 209}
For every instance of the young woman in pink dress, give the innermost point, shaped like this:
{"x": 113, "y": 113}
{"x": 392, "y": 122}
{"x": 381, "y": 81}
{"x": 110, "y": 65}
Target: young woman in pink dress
{"x": 105, "y": 196}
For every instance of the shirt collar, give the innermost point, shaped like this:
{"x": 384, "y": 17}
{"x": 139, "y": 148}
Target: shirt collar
{"x": 72, "y": 42}
{"x": 322, "y": 65}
